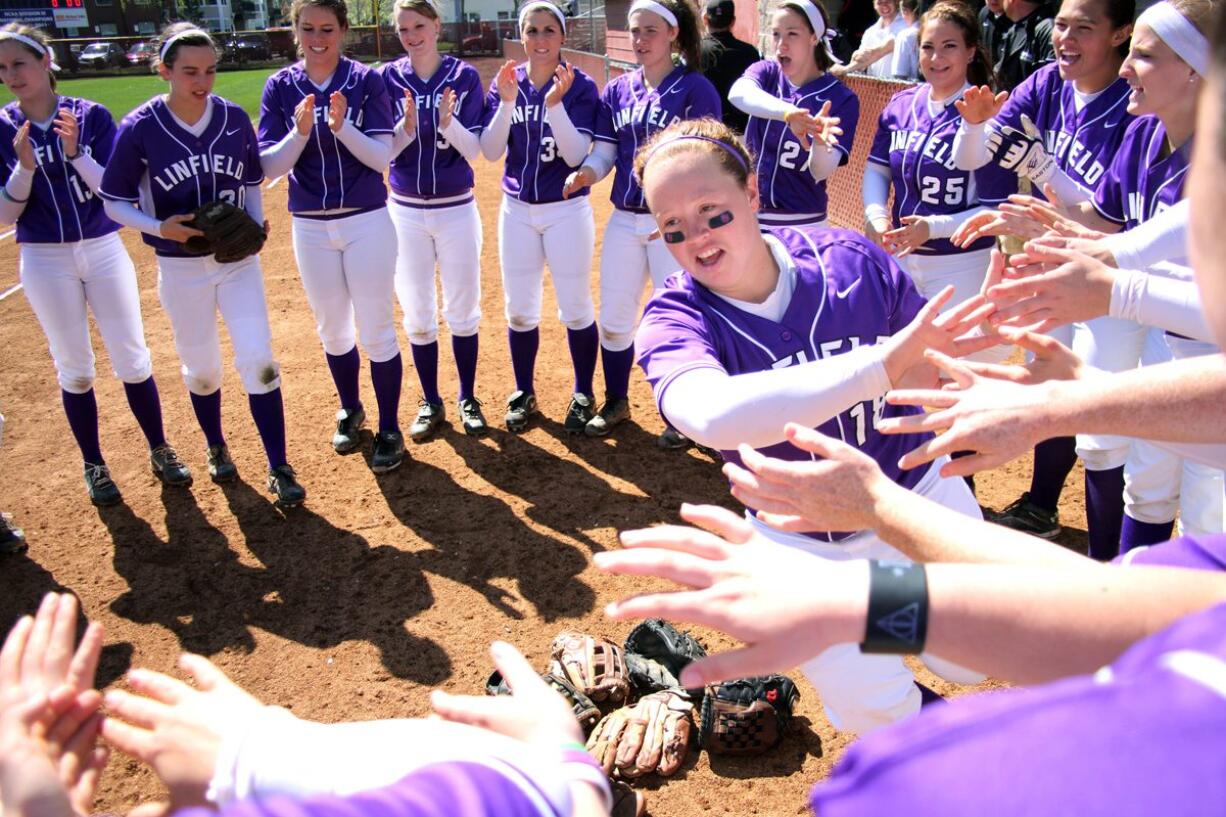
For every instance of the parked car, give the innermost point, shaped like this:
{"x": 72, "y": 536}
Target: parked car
{"x": 100, "y": 56}
{"x": 142, "y": 53}
{"x": 247, "y": 48}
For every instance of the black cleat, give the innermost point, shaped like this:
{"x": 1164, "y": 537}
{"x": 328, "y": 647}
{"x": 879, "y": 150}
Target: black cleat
{"x": 102, "y": 490}
{"x": 579, "y": 413}
{"x": 348, "y": 427}
{"x": 615, "y": 410}
{"x": 12, "y": 539}
{"x": 283, "y": 483}
{"x": 671, "y": 439}
{"x": 472, "y": 418}
{"x": 1027, "y": 517}
{"x": 221, "y": 467}
{"x": 429, "y": 417}
{"x": 389, "y": 452}
{"x": 167, "y": 466}
{"x": 521, "y": 405}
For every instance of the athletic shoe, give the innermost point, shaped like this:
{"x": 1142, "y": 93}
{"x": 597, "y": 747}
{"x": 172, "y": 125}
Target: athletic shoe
{"x": 1028, "y": 517}
{"x": 283, "y": 483}
{"x": 12, "y": 540}
{"x": 521, "y": 405}
{"x": 102, "y": 491}
{"x": 579, "y": 413}
{"x": 615, "y": 410}
{"x": 389, "y": 452}
{"x": 168, "y": 467}
{"x": 471, "y": 417}
{"x": 672, "y": 440}
{"x": 429, "y": 417}
{"x": 221, "y": 467}
{"x": 348, "y": 427}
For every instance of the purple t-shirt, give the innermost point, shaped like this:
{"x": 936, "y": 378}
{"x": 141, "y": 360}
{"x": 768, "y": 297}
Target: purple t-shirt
{"x": 327, "y": 176}
{"x": 630, "y": 113}
{"x": 61, "y": 207}
{"x": 1083, "y": 143}
{"x": 785, "y": 184}
{"x": 535, "y": 171}
{"x": 1143, "y": 179}
{"x": 918, "y": 148}
{"x": 430, "y": 167}
{"x": 1145, "y": 737}
{"x": 1196, "y": 552}
{"x": 849, "y": 293}
{"x": 169, "y": 171}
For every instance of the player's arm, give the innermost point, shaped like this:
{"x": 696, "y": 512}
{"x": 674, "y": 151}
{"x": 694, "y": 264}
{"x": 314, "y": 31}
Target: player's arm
{"x": 1162, "y": 238}
{"x": 875, "y": 192}
{"x": 20, "y": 179}
{"x": 372, "y": 150}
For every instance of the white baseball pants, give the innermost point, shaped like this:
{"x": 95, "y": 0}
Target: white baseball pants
{"x": 965, "y": 272}
{"x": 561, "y": 233}
{"x": 628, "y": 259}
{"x": 61, "y": 281}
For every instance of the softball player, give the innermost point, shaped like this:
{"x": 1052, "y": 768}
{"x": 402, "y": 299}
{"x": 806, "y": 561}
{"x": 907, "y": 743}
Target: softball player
{"x": 1080, "y": 106}
{"x": 52, "y": 150}
{"x": 632, "y": 107}
{"x": 327, "y": 122}
{"x": 543, "y": 115}
{"x": 792, "y": 88}
{"x": 912, "y": 152}
{"x": 172, "y": 155}
{"x": 440, "y": 105}
{"x": 763, "y": 328}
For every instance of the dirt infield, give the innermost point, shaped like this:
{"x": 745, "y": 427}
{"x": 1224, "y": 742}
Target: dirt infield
{"x": 355, "y": 605}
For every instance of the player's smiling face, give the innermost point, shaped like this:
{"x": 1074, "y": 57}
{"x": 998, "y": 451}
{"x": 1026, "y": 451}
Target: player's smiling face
{"x": 794, "y": 43}
{"x": 320, "y": 34}
{"x": 944, "y": 57}
{"x": 685, "y": 192}
{"x": 23, "y": 73}
{"x": 418, "y": 33}
{"x": 1159, "y": 79}
{"x": 652, "y": 39}
{"x": 1207, "y": 240}
{"x": 1085, "y": 42}
{"x": 191, "y": 75}
{"x": 542, "y": 36}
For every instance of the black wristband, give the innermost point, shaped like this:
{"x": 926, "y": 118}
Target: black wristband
{"x": 897, "y": 608}
{"x": 74, "y": 156}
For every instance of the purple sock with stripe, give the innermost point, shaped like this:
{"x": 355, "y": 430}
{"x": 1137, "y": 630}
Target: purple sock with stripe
{"x": 465, "y": 351}
{"x": 617, "y": 366}
{"x": 1105, "y": 512}
{"x": 268, "y": 411}
{"x": 208, "y": 415}
{"x": 583, "y": 344}
{"x": 345, "y": 371}
{"x": 146, "y": 407}
{"x": 387, "y": 378}
{"x": 1053, "y": 461}
{"x": 1135, "y": 533}
{"x": 82, "y": 413}
{"x": 425, "y": 360}
{"x": 523, "y": 357}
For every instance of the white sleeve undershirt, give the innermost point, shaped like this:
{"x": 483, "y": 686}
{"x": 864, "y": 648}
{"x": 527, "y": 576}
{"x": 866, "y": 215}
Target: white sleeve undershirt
{"x": 1155, "y": 300}
{"x": 373, "y": 151}
{"x": 823, "y": 160}
{"x": 89, "y": 170}
{"x": 16, "y": 194}
{"x": 971, "y": 153}
{"x": 462, "y": 139}
{"x": 602, "y": 159}
{"x": 753, "y": 100}
{"x": 876, "y": 191}
{"x": 719, "y": 410}
{"x": 129, "y": 215}
{"x": 1163, "y": 238}
{"x": 494, "y": 137}
{"x": 280, "y": 158}
{"x": 572, "y": 144}
{"x": 253, "y": 203}
{"x": 401, "y": 138}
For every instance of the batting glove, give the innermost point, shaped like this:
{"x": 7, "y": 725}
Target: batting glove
{"x": 1022, "y": 152}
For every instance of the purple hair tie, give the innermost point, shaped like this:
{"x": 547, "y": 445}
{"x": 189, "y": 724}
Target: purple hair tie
{"x": 685, "y": 137}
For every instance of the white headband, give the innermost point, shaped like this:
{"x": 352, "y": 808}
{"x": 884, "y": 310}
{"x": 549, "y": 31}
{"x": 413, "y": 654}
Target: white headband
{"x": 38, "y": 47}
{"x": 658, "y": 8}
{"x": 1178, "y": 32}
{"x": 816, "y": 21}
{"x": 187, "y": 32}
{"x": 540, "y": 5}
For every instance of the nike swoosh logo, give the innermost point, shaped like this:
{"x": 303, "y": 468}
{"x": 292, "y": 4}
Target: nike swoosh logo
{"x": 843, "y": 293}
{"x": 232, "y": 132}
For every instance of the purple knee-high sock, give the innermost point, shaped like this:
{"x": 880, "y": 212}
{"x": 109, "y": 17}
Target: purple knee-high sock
{"x": 1135, "y": 534}
{"x": 583, "y": 345}
{"x": 387, "y": 377}
{"x": 208, "y": 414}
{"x": 465, "y": 350}
{"x": 523, "y": 357}
{"x": 617, "y": 366}
{"x": 345, "y": 371}
{"x": 1105, "y": 511}
{"x": 147, "y": 409}
{"x": 268, "y": 411}
{"x": 425, "y": 360}
{"x": 1053, "y": 460}
{"x": 82, "y": 411}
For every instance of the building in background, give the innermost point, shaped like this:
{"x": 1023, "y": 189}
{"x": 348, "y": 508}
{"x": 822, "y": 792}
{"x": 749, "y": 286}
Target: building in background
{"x": 90, "y": 18}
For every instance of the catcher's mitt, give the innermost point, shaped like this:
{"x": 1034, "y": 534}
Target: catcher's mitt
{"x": 585, "y": 711}
{"x": 660, "y": 641}
{"x": 652, "y": 735}
{"x": 230, "y": 234}
{"x": 594, "y": 666}
{"x": 747, "y": 716}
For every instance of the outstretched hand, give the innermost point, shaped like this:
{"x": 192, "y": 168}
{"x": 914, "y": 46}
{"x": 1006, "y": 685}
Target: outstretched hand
{"x": 931, "y": 329}
{"x": 563, "y": 78}
{"x": 979, "y": 104}
{"x": 1049, "y": 287}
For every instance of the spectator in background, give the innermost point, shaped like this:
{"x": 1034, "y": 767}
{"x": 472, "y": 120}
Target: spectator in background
{"x": 992, "y": 24}
{"x": 725, "y": 58}
{"x": 877, "y": 45}
{"x": 905, "y": 62}
{"x": 1025, "y": 42}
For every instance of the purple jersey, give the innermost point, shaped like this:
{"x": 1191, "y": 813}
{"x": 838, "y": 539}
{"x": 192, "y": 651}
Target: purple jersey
{"x": 1082, "y": 142}
{"x": 535, "y": 171}
{"x": 849, "y": 293}
{"x": 1144, "y": 179}
{"x": 327, "y": 176}
{"x": 785, "y": 184}
{"x": 61, "y": 207}
{"x": 630, "y": 113}
{"x": 1057, "y": 749}
{"x": 918, "y": 148}
{"x": 430, "y": 167}
{"x": 1194, "y": 552}
{"x": 169, "y": 171}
